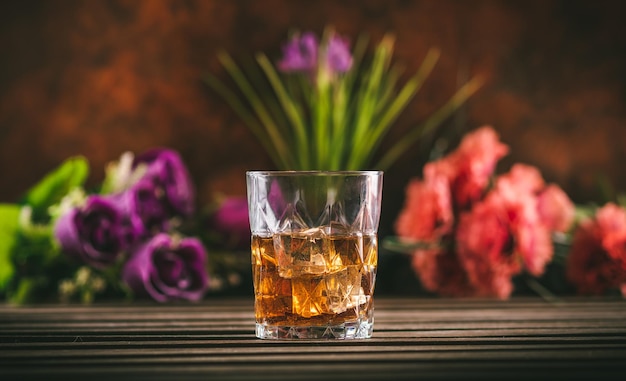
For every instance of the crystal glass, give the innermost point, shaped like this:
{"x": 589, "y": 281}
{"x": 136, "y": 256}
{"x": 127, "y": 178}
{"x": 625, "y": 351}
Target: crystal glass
{"x": 314, "y": 252}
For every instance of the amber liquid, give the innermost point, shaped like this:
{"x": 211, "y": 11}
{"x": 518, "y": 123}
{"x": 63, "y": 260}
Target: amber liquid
{"x": 312, "y": 279}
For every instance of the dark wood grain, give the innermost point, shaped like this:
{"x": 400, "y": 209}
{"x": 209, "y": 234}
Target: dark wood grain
{"x": 414, "y": 339}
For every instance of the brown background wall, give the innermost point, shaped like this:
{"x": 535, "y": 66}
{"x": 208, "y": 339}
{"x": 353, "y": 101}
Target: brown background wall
{"x": 101, "y": 77}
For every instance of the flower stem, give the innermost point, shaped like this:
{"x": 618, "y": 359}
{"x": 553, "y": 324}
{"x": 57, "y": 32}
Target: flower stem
{"x": 541, "y": 290}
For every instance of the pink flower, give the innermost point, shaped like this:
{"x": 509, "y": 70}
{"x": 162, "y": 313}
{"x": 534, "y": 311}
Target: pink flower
{"x": 501, "y": 236}
{"x": 534, "y": 245}
{"x": 556, "y": 209}
{"x": 524, "y": 178}
{"x": 440, "y": 271}
{"x": 533, "y": 237}
{"x": 486, "y": 229}
{"x": 486, "y": 247}
{"x": 427, "y": 212}
{"x": 597, "y": 259}
{"x": 469, "y": 168}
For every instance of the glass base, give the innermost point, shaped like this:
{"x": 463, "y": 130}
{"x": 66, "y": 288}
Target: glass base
{"x": 351, "y": 330}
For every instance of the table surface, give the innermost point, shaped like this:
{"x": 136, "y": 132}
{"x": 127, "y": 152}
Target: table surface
{"x": 414, "y": 338}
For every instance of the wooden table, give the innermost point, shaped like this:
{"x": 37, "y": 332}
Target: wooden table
{"x": 414, "y": 338}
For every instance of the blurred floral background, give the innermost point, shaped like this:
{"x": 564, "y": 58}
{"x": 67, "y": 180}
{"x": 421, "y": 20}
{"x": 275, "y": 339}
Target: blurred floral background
{"x": 101, "y": 78}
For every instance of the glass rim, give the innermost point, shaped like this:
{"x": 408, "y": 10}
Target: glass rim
{"x": 294, "y": 173}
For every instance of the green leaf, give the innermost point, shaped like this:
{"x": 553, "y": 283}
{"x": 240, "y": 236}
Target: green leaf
{"x": 291, "y": 108}
{"x": 433, "y": 121}
{"x": 368, "y": 98}
{"x": 407, "y": 246}
{"x": 280, "y": 145}
{"x": 340, "y": 115}
{"x": 9, "y": 217}
{"x": 26, "y": 291}
{"x": 231, "y": 98}
{"x": 621, "y": 199}
{"x": 380, "y": 127}
{"x": 50, "y": 190}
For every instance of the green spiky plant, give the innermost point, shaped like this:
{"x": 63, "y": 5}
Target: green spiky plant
{"x": 334, "y": 113}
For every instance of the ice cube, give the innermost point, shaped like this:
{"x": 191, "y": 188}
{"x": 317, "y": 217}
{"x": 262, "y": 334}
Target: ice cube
{"x": 302, "y": 253}
{"x": 341, "y": 289}
{"x": 308, "y": 296}
{"x": 325, "y": 270}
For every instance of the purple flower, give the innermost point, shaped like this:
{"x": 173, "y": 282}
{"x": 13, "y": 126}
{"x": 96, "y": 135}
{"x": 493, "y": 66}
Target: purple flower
{"x": 231, "y": 221}
{"x": 170, "y": 180}
{"x": 300, "y": 54}
{"x": 338, "y": 56}
{"x": 303, "y": 53}
{"x": 168, "y": 269}
{"x": 98, "y": 232}
{"x": 146, "y": 202}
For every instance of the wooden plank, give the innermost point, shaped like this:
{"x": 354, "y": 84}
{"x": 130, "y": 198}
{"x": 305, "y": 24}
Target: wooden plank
{"x": 414, "y": 338}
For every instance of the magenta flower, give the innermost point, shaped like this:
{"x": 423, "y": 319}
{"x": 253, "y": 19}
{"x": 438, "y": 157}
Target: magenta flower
{"x": 300, "y": 54}
{"x": 167, "y": 269}
{"x": 338, "y": 58}
{"x": 304, "y": 54}
{"x": 170, "y": 179}
{"x": 97, "y": 233}
{"x": 231, "y": 222}
{"x": 146, "y": 202}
